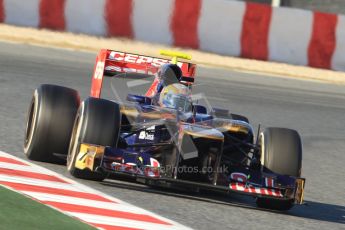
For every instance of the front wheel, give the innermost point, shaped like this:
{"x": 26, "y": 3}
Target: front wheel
{"x": 281, "y": 153}
{"x": 97, "y": 122}
{"x": 49, "y": 122}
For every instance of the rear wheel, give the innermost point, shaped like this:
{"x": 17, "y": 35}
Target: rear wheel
{"x": 97, "y": 122}
{"x": 223, "y": 113}
{"x": 281, "y": 153}
{"x": 239, "y": 117}
{"x": 49, "y": 122}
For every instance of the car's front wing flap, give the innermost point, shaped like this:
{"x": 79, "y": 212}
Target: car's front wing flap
{"x": 258, "y": 183}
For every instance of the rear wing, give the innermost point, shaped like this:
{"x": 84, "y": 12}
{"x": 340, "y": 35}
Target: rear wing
{"x": 110, "y": 63}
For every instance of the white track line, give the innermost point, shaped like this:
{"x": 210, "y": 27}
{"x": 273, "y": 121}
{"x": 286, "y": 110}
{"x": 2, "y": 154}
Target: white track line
{"x": 38, "y": 182}
{"x": 80, "y": 201}
{"x": 23, "y": 168}
{"x": 95, "y": 219}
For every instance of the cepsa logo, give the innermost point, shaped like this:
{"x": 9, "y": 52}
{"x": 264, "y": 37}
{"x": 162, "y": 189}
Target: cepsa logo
{"x": 133, "y": 58}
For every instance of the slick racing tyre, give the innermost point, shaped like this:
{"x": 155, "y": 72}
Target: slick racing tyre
{"x": 97, "y": 122}
{"x": 222, "y": 113}
{"x": 281, "y": 153}
{"x": 49, "y": 122}
{"x": 239, "y": 117}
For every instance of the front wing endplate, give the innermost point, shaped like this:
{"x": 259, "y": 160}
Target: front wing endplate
{"x": 87, "y": 156}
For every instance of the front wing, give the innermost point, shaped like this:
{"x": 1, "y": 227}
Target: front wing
{"x": 147, "y": 170}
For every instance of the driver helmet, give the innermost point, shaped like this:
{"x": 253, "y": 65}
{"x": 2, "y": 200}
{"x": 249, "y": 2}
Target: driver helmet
{"x": 176, "y": 96}
{"x": 169, "y": 74}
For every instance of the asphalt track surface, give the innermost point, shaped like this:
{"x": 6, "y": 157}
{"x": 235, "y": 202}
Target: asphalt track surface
{"x": 316, "y": 110}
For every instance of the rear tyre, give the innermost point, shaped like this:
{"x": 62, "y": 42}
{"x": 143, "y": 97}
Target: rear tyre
{"x": 97, "y": 122}
{"x": 281, "y": 152}
{"x": 223, "y": 113}
{"x": 49, "y": 122}
{"x": 239, "y": 117}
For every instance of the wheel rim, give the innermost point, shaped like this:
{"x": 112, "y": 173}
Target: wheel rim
{"x": 73, "y": 143}
{"x": 209, "y": 161}
{"x": 262, "y": 150}
{"x": 31, "y": 122}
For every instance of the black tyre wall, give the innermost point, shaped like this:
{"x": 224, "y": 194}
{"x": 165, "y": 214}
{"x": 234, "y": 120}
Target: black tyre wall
{"x": 52, "y": 114}
{"x": 282, "y": 154}
{"x": 99, "y": 121}
{"x": 282, "y": 151}
{"x": 239, "y": 117}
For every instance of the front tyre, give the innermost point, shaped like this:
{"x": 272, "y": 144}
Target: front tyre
{"x": 97, "y": 122}
{"x": 49, "y": 122}
{"x": 281, "y": 153}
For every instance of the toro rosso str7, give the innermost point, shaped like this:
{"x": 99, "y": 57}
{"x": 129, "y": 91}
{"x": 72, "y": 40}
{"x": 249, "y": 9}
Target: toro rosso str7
{"x": 162, "y": 137}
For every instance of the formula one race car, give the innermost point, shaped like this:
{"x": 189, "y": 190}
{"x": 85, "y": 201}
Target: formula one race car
{"x": 163, "y": 137}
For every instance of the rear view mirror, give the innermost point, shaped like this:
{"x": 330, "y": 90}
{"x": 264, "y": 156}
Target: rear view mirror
{"x": 139, "y": 99}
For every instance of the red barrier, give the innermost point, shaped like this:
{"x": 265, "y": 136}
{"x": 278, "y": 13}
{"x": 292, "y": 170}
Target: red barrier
{"x": 2, "y": 11}
{"x": 52, "y": 14}
{"x": 255, "y": 31}
{"x": 323, "y": 40}
{"x": 118, "y": 15}
{"x": 184, "y": 23}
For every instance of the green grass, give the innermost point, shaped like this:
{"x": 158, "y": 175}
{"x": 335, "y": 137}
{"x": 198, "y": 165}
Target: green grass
{"x": 19, "y": 212}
